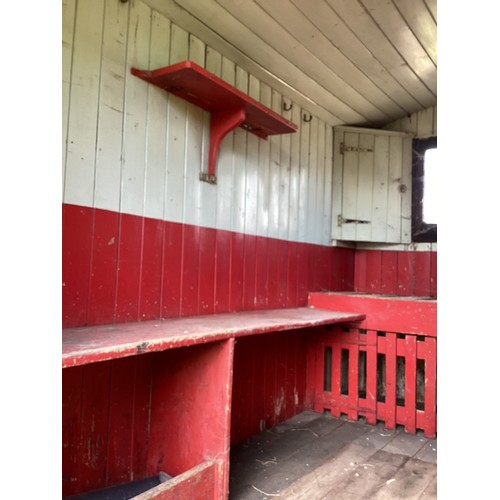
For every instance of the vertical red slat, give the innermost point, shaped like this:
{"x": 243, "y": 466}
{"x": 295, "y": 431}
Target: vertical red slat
{"x": 95, "y": 425}
{"x": 273, "y": 271}
{"x": 249, "y": 265}
{"x": 422, "y": 274}
{"x": 360, "y": 263}
{"x": 292, "y": 275}
{"x": 371, "y": 377}
{"x": 280, "y": 398}
{"x": 313, "y": 389}
{"x": 406, "y": 275}
{"x": 325, "y": 269}
{"x": 121, "y": 420}
{"x": 374, "y": 271}
{"x": 353, "y": 385}
{"x": 104, "y": 266}
{"x": 129, "y": 268}
{"x": 336, "y": 376}
{"x": 256, "y": 353}
{"x": 261, "y": 272}
{"x": 236, "y": 277}
{"x": 433, "y": 278}
{"x": 410, "y": 383}
{"x": 390, "y": 380}
{"x": 270, "y": 382}
{"x": 430, "y": 388}
{"x": 141, "y": 394}
{"x": 343, "y": 276}
{"x": 72, "y": 380}
{"x": 242, "y": 404}
{"x": 303, "y": 275}
{"x": 151, "y": 272}
{"x": 206, "y": 268}
{"x": 389, "y": 283}
{"x": 290, "y": 348}
{"x": 76, "y": 251}
{"x": 282, "y": 251}
{"x": 313, "y": 267}
{"x": 172, "y": 264}
{"x": 190, "y": 271}
{"x": 300, "y": 373}
{"x": 222, "y": 271}
{"x": 317, "y": 374}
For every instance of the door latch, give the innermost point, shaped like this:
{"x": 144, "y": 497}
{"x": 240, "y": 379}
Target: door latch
{"x": 342, "y": 220}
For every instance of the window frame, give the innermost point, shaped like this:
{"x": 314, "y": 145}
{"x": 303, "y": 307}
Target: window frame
{"x": 421, "y": 232}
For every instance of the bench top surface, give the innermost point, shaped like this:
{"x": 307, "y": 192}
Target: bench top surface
{"x": 90, "y": 344}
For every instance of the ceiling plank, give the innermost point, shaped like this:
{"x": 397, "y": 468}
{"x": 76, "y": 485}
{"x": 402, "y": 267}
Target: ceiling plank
{"x": 306, "y": 33}
{"x": 372, "y": 37}
{"x": 272, "y": 70}
{"x": 432, "y": 6}
{"x": 421, "y": 23}
{"x": 341, "y": 36}
{"x": 273, "y": 35}
{"x": 399, "y": 33}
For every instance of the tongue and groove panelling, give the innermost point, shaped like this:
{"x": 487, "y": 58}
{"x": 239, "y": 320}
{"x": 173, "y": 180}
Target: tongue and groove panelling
{"x": 142, "y": 236}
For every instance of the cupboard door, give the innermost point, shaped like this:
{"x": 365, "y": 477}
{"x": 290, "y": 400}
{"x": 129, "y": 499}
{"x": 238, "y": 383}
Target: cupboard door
{"x": 371, "y": 185}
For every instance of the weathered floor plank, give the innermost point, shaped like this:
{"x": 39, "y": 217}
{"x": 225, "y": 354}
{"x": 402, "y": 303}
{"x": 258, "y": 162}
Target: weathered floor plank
{"x": 314, "y": 456}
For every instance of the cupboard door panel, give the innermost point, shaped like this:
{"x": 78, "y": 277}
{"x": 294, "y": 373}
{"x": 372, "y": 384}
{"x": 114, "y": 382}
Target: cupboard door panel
{"x": 372, "y": 185}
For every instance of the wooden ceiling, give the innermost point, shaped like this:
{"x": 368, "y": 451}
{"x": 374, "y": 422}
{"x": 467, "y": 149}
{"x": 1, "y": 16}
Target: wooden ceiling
{"x": 355, "y": 62}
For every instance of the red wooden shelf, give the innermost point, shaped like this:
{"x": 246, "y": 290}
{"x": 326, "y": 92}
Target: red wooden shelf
{"x": 85, "y": 345}
{"x": 228, "y": 106}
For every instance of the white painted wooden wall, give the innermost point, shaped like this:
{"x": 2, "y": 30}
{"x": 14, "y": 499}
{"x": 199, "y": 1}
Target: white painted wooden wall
{"x": 421, "y": 124}
{"x": 133, "y": 148}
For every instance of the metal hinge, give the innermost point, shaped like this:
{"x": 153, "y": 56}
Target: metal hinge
{"x": 357, "y": 149}
{"x": 341, "y": 220}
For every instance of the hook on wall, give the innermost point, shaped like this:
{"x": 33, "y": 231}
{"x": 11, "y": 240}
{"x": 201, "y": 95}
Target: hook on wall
{"x": 287, "y": 107}
{"x": 307, "y": 119}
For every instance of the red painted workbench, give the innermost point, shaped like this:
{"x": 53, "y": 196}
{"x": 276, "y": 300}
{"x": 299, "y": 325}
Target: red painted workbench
{"x": 151, "y": 397}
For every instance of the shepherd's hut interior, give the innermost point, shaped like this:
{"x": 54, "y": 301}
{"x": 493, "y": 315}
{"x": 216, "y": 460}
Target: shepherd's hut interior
{"x": 249, "y": 249}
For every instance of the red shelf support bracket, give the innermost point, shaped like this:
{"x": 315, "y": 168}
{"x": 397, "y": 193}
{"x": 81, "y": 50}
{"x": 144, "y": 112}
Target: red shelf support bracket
{"x": 221, "y": 123}
{"x": 228, "y": 106}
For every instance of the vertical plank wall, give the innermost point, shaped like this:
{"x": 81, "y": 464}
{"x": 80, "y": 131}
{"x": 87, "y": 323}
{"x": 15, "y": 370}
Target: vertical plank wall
{"x": 142, "y": 237}
{"x": 403, "y": 271}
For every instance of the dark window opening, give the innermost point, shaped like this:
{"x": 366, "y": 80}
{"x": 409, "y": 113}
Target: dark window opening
{"x": 424, "y": 223}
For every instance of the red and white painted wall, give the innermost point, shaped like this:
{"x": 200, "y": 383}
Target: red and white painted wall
{"x": 142, "y": 236}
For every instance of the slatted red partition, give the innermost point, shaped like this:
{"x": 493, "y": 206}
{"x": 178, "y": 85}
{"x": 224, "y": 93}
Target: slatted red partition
{"x": 378, "y": 370}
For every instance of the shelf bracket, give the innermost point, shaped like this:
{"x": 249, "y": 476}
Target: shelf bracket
{"x": 229, "y": 107}
{"x": 221, "y": 123}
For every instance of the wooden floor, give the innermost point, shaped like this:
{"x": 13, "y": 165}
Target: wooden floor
{"x": 316, "y": 456}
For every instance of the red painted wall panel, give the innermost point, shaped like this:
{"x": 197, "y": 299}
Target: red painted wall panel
{"x": 261, "y": 273}
{"x": 104, "y": 255}
{"x": 77, "y": 225}
{"x": 268, "y": 381}
{"x": 409, "y": 273}
{"x": 292, "y": 274}
{"x": 249, "y": 266}
{"x": 120, "y": 268}
{"x": 206, "y": 269}
{"x": 389, "y": 284}
{"x": 236, "y": 272}
{"x": 172, "y": 265}
{"x": 190, "y": 270}
{"x": 128, "y": 273}
{"x": 151, "y": 269}
{"x": 222, "y": 270}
